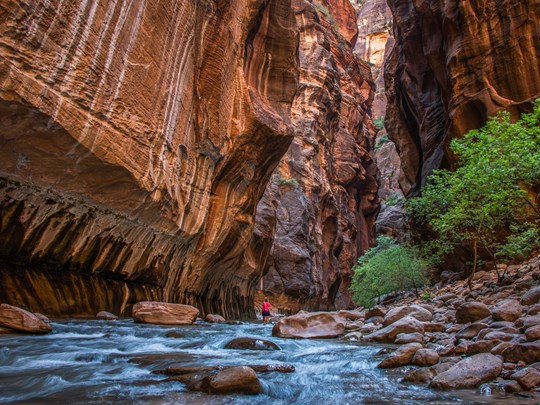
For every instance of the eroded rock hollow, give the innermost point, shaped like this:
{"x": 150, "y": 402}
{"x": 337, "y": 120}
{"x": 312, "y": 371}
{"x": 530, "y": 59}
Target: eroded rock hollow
{"x": 137, "y": 138}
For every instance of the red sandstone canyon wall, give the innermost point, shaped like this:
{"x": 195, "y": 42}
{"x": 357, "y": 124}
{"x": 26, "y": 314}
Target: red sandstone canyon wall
{"x": 318, "y": 212}
{"x": 453, "y": 65}
{"x": 137, "y": 139}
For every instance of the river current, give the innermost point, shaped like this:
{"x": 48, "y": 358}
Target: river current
{"x": 100, "y": 362}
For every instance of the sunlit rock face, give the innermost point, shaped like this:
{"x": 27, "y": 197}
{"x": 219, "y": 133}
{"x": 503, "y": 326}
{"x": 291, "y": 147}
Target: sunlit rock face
{"x": 453, "y": 65}
{"x": 137, "y": 138}
{"x": 317, "y": 214}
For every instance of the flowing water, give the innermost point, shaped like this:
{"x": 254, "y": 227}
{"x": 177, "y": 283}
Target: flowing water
{"x": 99, "y": 362}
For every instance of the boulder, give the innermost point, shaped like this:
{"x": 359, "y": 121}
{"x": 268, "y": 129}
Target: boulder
{"x": 415, "y": 311}
{"x": 247, "y": 343}
{"x": 426, "y": 374}
{"x": 527, "y": 352}
{"x": 482, "y": 346}
{"x": 240, "y": 379}
{"x": 308, "y": 326}
{"x": 353, "y": 336}
{"x": 214, "y": 318}
{"x": 469, "y": 372}
{"x": 23, "y": 321}
{"x": 164, "y": 313}
{"x": 375, "y": 311}
{"x": 531, "y": 297}
{"x": 434, "y": 327}
{"x": 389, "y": 333}
{"x": 471, "y": 312}
{"x": 507, "y": 310}
{"x": 528, "y": 378}
{"x": 106, "y": 316}
{"x": 470, "y": 331}
{"x": 533, "y": 333}
{"x": 425, "y": 357}
{"x": 42, "y": 317}
{"x": 530, "y": 321}
{"x": 401, "y": 357}
{"x": 501, "y": 347}
{"x": 404, "y": 338}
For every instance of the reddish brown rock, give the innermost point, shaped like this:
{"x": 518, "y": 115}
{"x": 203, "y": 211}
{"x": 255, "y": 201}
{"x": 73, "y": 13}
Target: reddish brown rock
{"x": 106, "y": 316}
{"x": 404, "y": 338}
{"x": 426, "y": 374}
{"x": 317, "y": 214}
{"x": 137, "y": 140}
{"x": 528, "y": 378}
{"x": 507, "y": 310}
{"x": 527, "y": 352}
{"x": 400, "y": 357}
{"x": 308, "y": 326}
{"x": 469, "y": 372}
{"x": 425, "y": 357}
{"x": 246, "y": 343}
{"x": 164, "y": 313}
{"x": 22, "y": 321}
{"x": 213, "y": 318}
{"x": 453, "y": 65}
{"x": 407, "y": 324}
{"x": 531, "y": 297}
{"x": 415, "y": 311}
{"x": 236, "y": 379}
{"x": 533, "y": 333}
{"x": 471, "y": 312}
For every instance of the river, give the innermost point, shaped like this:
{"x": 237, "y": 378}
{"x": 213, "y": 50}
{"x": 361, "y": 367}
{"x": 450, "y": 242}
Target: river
{"x": 106, "y": 362}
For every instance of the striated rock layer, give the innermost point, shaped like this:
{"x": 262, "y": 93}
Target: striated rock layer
{"x": 453, "y": 65}
{"x": 137, "y": 138}
{"x": 317, "y": 214}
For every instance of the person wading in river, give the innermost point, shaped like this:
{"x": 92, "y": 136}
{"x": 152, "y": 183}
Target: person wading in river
{"x": 266, "y": 311}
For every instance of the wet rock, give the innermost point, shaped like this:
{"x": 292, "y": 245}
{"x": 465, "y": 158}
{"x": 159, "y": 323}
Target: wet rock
{"x": 414, "y": 311}
{"x": 404, "y": 338}
{"x": 533, "y": 333}
{"x": 526, "y": 352}
{"x": 42, "y": 317}
{"x": 308, "y": 325}
{"x": 164, "y": 313}
{"x": 471, "y": 312}
{"x": 407, "y": 324}
{"x": 235, "y": 380}
{"x": 527, "y": 378}
{"x": 23, "y": 321}
{"x": 175, "y": 335}
{"x": 213, "y": 318}
{"x": 246, "y": 343}
{"x": 425, "y": 357}
{"x": 470, "y": 331}
{"x": 353, "y": 336}
{"x": 106, "y": 316}
{"x": 259, "y": 368}
{"x": 469, "y": 372}
{"x": 531, "y": 297}
{"x": 6, "y": 331}
{"x": 426, "y": 374}
{"x": 401, "y": 357}
{"x": 507, "y": 310}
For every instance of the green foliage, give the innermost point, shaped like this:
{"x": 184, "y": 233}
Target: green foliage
{"x": 487, "y": 194}
{"x": 379, "y": 123}
{"x": 394, "y": 198}
{"x": 426, "y": 295}
{"x": 288, "y": 181}
{"x": 381, "y": 141}
{"x": 385, "y": 268}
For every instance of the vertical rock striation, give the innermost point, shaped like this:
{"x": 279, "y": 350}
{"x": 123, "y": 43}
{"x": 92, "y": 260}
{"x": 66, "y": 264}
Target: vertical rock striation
{"x": 137, "y": 138}
{"x": 317, "y": 214}
{"x": 453, "y": 65}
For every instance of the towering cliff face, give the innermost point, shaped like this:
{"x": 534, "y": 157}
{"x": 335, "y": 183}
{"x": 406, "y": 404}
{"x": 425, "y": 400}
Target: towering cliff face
{"x": 317, "y": 214}
{"x": 455, "y": 64}
{"x": 137, "y": 138}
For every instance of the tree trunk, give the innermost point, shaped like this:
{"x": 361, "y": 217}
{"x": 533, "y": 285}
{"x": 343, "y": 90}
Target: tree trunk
{"x": 475, "y": 247}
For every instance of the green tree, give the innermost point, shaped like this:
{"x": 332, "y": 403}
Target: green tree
{"x": 486, "y": 202}
{"x": 385, "y": 268}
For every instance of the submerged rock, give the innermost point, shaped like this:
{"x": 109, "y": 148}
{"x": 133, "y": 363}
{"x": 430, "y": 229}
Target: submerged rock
{"x": 213, "y": 318}
{"x": 308, "y": 326}
{"x": 164, "y": 313}
{"x": 106, "y": 316}
{"x": 23, "y": 321}
{"x": 246, "y": 343}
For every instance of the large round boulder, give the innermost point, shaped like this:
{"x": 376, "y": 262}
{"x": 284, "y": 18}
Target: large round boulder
{"x": 415, "y": 311}
{"x": 425, "y": 357}
{"x": 400, "y": 357}
{"x": 240, "y": 379}
{"x": 23, "y": 321}
{"x": 247, "y": 343}
{"x": 507, "y": 310}
{"x": 407, "y": 324}
{"x": 163, "y": 313}
{"x": 471, "y": 312}
{"x": 308, "y": 326}
{"x": 531, "y": 297}
{"x": 469, "y": 372}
